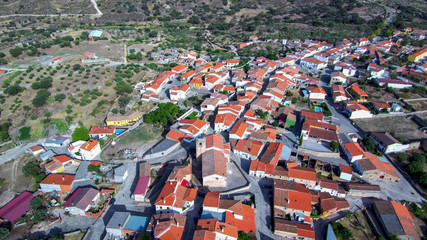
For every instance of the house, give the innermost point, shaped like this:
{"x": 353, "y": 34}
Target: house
{"x": 338, "y": 93}
{"x": 249, "y": 149}
{"x": 393, "y": 83}
{"x": 49, "y": 61}
{"x": 36, "y": 150}
{"x": 376, "y": 70}
{"x": 214, "y": 229}
{"x": 272, "y": 154}
{"x": 90, "y": 149}
{"x": 58, "y": 163}
{"x": 303, "y": 175}
{"x": 57, "y": 183}
{"x": 330, "y": 205}
{"x": 387, "y": 143}
{"x": 215, "y": 155}
{"x": 313, "y": 63}
{"x": 224, "y": 122}
{"x": 331, "y": 187}
{"x": 355, "y": 110}
{"x": 193, "y": 128}
{"x": 141, "y": 189}
{"x": 74, "y": 148}
{"x": 291, "y": 198}
{"x": 90, "y": 57}
{"x": 417, "y": 55}
{"x": 17, "y": 207}
{"x": 209, "y": 104}
{"x": 233, "y": 212}
{"x": 395, "y": 219}
{"x": 346, "y": 173}
{"x": 135, "y": 225}
{"x": 128, "y": 118}
{"x": 317, "y": 94}
{"x": 101, "y": 132}
{"x": 239, "y": 131}
{"x": 59, "y": 141}
{"x": 47, "y": 155}
{"x": 186, "y": 77}
{"x": 167, "y": 226}
{"x": 353, "y": 151}
{"x": 178, "y": 193}
{"x": 114, "y": 228}
{"x": 180, "y": 68}
{"x": 292, "y": 230}
{"x": 95, "y": 34}
{"x": 358, "y": 94}
{"x": 381, "y": 106}
{"x": 371, "y": 167}
{"x": 179, "y": 93}
{"x": 364, "y": 190}
{"x": 81, "y": 201}
{"x": 338, "y": 77}
{"x": 311, "y": 115}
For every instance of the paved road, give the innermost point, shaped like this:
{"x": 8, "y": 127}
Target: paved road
{"x": 388, "y": 22}
{"x": 17, "y": 151}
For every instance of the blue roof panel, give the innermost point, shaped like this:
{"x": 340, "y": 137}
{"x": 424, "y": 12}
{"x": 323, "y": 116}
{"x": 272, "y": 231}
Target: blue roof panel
{"x": 137, "y": 223}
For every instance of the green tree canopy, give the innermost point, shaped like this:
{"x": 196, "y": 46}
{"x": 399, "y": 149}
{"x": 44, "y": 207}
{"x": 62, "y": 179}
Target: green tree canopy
{"x": 31, "y": 169}
{"x": 41, "y": 98}
{"x": 4, "y": 233}
{"x": 80, "y": 134}
{"x": 35, "y": 204}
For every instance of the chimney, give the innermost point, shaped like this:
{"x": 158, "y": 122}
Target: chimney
{"x": 63, "y": 178}
{"x": 163, "y": 199}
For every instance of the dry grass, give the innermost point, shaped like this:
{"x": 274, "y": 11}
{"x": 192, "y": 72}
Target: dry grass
{"x": 15, "y": 182}
{"x": 400, "y": 125}
{"x": 76, "y": 236}
{"x": 359, "y": 226}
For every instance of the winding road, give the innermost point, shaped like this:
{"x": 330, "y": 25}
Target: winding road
{"x": 95, "y": 5}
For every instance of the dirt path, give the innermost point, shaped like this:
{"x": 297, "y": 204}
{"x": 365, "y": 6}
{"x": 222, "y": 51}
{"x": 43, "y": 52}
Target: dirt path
{"x": 95, "y": 5}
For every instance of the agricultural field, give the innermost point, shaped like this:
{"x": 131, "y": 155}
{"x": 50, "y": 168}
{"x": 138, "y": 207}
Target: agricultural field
{"x": 402, "y": 126}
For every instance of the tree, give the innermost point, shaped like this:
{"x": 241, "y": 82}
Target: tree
{"x": 4, "y": 233}
{"x": 35, "y": 204}
{"x": 31, "y": 169}
{"x": 39, "y": 215}
{"x": 41, "y": 98}
{"x": 80, "y": 134}
{"x": 417, "y": 164}
{"x": 402, "y": 157}
{"x": 15, "y": 52}
{"x": 334, "y": 145}
{"x": 59, "y": 97}
{"x": 245, "y": 236}
{"x": 369, "y": 144}
{"x": 194, "y": 20}
{"x": 13, "y": 89}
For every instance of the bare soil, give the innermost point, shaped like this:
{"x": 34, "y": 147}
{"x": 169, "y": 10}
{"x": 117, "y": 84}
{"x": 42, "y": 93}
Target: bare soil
{"x": 400, "y": 125}
{"x": 14, "y": 181}
{"x": 359, "y": 226}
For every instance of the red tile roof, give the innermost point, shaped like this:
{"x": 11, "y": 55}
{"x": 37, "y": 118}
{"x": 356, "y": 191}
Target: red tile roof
{"x": 303, "y": 173}
{"x": 89, "y": 145}
{"x": 354, "y": 149}
{"x": 58, "y": 179}
{"x": 102, "y": 130}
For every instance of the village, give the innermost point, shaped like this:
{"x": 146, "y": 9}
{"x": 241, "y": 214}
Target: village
{"x": 263, "y": 149}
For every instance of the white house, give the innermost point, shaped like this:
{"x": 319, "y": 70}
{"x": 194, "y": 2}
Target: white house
{"x": 338, "y": 77}
{"x": 313, "y": 63}
{"x": 346, "y": 173}
{"x": 387, "y": 143}
{"x": 90, "y": 149}
{"x": 353, "y": 151}
{"x": 355, "y": 110}
{"x": 179, "y": 93}
{"x": 81, "y": 201}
